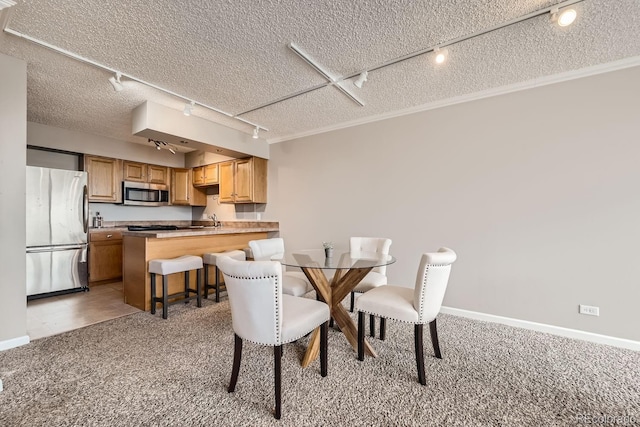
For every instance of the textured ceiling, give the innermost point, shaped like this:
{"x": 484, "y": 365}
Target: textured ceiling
{"x": 234, "y": 55}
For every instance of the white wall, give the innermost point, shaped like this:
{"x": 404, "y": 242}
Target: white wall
{"x": 537, "y": 191}
{"x": 13, "y": 156}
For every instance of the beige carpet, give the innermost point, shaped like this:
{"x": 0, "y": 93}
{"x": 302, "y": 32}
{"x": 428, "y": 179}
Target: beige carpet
{"x": 141, "y": 370}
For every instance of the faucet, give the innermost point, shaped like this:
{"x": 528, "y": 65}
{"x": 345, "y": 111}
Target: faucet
{"x": 214, "y": 218}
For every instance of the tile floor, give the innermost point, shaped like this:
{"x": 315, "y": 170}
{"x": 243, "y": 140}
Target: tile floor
{"x": 51, "y": 316}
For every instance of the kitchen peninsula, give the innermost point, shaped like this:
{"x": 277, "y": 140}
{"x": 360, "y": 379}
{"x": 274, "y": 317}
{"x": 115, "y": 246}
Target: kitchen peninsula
{"x": 141, "y": 246}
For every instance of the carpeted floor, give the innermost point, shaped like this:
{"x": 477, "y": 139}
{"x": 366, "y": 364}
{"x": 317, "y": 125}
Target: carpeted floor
{"x": 141, "y": 370}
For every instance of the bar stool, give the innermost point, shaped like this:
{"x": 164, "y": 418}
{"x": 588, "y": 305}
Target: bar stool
{"x": 165, "y": 267}
{"x": 210, "y": 259}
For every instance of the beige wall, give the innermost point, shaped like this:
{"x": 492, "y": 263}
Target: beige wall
{"x": 13, "y": 154}
{"x": 537, "y": 191}
{"x": 41, "y": 135}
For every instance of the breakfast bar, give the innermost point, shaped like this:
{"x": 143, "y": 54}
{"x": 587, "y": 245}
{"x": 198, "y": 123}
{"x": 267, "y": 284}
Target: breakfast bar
{"x": 141, "y": 246}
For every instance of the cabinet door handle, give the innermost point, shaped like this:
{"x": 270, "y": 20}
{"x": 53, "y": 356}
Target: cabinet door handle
{"x": 109, "y": 236}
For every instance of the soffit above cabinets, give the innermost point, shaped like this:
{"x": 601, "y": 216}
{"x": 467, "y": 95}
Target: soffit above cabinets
{"x": 165, "y": 125}
{"x": 236, "y": 57}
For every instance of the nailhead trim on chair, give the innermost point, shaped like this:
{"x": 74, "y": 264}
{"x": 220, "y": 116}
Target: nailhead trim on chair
{"x": 277, "y": 313}
{"x": 419, "y": 322}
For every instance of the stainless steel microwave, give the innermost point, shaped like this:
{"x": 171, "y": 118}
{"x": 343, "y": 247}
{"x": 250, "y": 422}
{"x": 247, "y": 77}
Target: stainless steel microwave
{"x": 144, "y": 194}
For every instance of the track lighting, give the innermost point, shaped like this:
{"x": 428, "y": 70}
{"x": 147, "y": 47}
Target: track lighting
{"x": 255, "y": 132}
{"x": 115, "y": 82}
{"x": 564, "y": 18}
{"x": 440, "y": 55}
{"x": 188, "y": 108}
{"x": 361, "y": 79}
{"x": 161, "y": 144}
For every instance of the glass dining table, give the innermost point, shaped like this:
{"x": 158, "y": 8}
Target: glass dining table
{"x": 349, "y": 269}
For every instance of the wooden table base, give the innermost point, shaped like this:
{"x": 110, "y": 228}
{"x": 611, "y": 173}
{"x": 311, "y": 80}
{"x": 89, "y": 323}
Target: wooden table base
{"x": 333, "y": 293}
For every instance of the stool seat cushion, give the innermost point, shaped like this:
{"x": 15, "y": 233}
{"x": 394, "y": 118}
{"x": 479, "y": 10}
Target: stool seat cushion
{"x": 210, "y": 258}
{"x": 175, "y": 265}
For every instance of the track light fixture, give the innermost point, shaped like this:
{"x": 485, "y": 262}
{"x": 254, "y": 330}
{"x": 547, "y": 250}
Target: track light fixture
{"x": 188, "y": 108}
{"x": 361, "y": 79}
{"x": 255, "y": 132}
{"x": 6, "y": 3}
{"x": 440, "y": 55}
{"x": 564, "y": 18}
{"x": 161, "y": 144}
{"x": 115, "y": 82}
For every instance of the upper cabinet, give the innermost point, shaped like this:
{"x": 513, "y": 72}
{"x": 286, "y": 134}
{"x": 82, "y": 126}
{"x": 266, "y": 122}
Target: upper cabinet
{"x": 141, "y": 172}
{"x": 205, "y": 175}
{"x": 182, "y": 190}
{"x": 243, "y": 181}
{"x": 105, "y": 178}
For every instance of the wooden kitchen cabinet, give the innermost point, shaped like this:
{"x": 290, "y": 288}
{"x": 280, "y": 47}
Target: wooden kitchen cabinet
{"x": 206, "y": 175}
{"x": 182, "y": 190}
{"x": 105, "y": 256}
{"x": 243, "y": 181}
{"x": 104, "y": 179}
{"x": 141, "y": 172}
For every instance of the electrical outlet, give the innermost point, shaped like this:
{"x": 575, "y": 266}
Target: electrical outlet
{"x": 590, "y": 310}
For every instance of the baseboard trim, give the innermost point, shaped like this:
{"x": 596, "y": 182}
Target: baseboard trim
{"x": 14, "y": 342}
{"x": 541, "y": 327}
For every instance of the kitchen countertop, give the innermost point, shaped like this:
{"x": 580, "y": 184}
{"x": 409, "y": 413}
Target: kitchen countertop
{"x": 190, "y": 228}
{"x": 206, "y": 231}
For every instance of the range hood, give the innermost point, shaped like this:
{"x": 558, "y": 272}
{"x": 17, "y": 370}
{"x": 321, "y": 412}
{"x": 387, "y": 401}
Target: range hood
{"x": 189, "y": 133}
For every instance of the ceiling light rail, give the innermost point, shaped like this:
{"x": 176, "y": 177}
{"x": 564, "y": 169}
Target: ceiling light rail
{"x": 320, "y": 70}
{"x": 546, "y": 10}
{"x": 441, "y": 46}
{"x": 116, "y": 81}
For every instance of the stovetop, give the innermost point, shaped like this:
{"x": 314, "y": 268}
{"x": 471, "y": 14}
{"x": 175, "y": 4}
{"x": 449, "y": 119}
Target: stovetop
{"x": 151, "y": 227}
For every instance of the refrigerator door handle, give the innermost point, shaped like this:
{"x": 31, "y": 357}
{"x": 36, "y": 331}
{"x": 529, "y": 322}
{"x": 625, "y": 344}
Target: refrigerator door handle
{"x": 85, "y": 209}
{"x": 55, "y": 248}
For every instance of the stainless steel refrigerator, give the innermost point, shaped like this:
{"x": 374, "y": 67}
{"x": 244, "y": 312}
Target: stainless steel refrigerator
{"x": 57, "y": 225}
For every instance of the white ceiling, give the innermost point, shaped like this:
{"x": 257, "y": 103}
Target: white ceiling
{"x": 234, "y": 56}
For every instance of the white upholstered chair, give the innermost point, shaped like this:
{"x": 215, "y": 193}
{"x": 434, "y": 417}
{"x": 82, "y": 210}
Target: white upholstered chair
{"x": 293, "y": 282}
{"x": 261, "y": 313}
{"x": 377, "y": 276}
{"x": 418, "y": 306}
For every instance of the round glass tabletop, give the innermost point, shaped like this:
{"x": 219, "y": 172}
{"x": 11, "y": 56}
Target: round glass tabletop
{"x": 315, "y": 258}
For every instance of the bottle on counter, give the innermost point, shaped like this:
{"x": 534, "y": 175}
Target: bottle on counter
{"x": 97, "y": 221}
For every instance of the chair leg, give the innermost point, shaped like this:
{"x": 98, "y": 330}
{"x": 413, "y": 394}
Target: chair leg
{"x": 186, "y": 287}
{"x": 372, "y": 325}
{"x": 324, "y": 342}
{"x": 277, "y": 358}
{"x": 199, "y": 287}
{"x": 237, "y": 355}
{"x": 165, "y": 296}
{"x": 153, "y": 293}
{"x": 383, "y": 328}
{"x": 360, "y": 335}
{"x": 353, "y": 299}
{"x": 417, "y": 331}
{"x": 434, "y": 338}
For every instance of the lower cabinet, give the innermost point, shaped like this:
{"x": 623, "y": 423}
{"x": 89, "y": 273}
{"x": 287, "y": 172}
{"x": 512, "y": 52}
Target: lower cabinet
{"x": 105, "y": 256}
